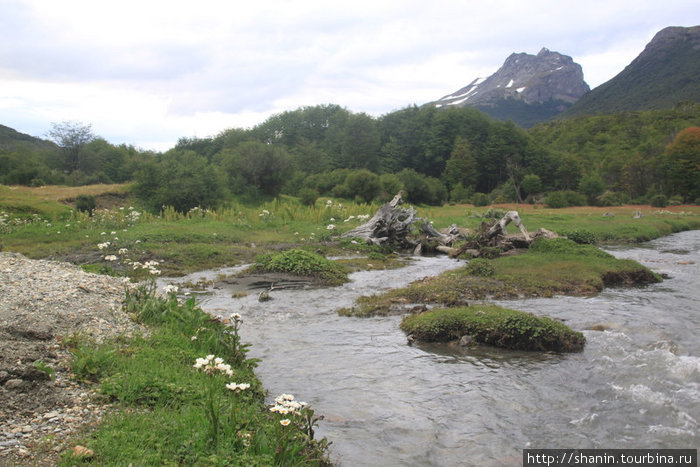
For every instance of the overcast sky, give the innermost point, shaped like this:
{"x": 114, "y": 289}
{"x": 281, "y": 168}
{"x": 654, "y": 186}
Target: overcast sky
{"x": 149, "y": 72}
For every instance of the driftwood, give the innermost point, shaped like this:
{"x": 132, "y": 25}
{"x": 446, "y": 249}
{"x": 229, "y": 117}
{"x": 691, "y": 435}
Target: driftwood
{"x": 394, "y": 225}
{"x": 390, "y": 224}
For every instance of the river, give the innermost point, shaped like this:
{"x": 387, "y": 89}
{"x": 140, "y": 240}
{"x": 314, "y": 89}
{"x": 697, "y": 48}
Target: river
{"x": 636, "y": 384}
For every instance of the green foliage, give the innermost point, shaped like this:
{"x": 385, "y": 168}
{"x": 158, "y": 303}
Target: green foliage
{"x": 493, "y": 325}
{"x": 565, "y": 199}
{"x": 659, "y": 201}
{"x": 89, "y": 362}
{"x": 44, "y": 368}
{"x": 391, "y": 184}
{"x": 480, "y": 199}
{"x": 85, "y": 203}
{"x": 682, "y": 164}
{"x": 460, "y": 168}
{"x": 256, "y": 165}
{"x": 302, "y": 263}
{"x": 613, "y": 198}
{"x": 181, "y": 179}
{"x": 565, "y": 246}
{"x": 174, "y": 406}
{"x": 591, "y": 185}
{"x": 531, "y": 184}
{"x": 480, "y": 267}
{"x": 580, "y": 236}
{"x": 420, "y": 189}
{"x": 363, "y": 184}
{"x": 460, "y": 194}
{"x": 627, "y": 149}
{"x": 308, "y": 196}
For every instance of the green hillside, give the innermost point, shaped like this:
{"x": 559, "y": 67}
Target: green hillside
{"x": 665, "y": 74}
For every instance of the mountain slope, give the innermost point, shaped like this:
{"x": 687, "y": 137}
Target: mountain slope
{"x": 664, "y": 74}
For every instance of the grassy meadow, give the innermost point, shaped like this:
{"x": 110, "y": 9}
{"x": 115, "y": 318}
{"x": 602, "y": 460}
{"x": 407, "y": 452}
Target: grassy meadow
{"x": 43, "y": 223}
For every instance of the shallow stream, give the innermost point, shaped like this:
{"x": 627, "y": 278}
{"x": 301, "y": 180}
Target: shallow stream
{"x": 636, "y": 384}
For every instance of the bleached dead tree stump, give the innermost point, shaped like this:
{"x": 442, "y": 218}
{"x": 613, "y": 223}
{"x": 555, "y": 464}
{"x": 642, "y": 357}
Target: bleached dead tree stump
{"x": 390, "y": 223}
{"x": 394, "y": 225}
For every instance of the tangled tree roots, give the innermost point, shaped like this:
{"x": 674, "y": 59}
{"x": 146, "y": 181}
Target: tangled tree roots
{"x": 395, "y": 225}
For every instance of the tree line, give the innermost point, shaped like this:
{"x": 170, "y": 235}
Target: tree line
{"x": 434, "y": 155}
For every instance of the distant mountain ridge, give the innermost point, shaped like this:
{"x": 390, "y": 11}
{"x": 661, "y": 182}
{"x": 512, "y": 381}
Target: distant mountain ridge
{"x": 666, "y": 73}
{"x": 12, "y": 140}
{"x": 527, "y": 88}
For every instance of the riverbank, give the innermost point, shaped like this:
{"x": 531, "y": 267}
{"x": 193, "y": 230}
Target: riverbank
{"x": 93, "y": 369}
{"x": 46, "y": 305}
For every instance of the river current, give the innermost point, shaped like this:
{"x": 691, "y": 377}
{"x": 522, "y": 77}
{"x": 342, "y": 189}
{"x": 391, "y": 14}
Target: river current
{"x": 635, "y": 385}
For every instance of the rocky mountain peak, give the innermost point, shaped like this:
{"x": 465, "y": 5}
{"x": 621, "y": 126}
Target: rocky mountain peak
{"x": 532, "y": 79}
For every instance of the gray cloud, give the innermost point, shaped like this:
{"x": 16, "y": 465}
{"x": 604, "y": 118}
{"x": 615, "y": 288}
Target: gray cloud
{"x": 229, "y": 60}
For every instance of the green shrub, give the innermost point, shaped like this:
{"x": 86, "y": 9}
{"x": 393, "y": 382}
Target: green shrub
{"x": 302, "y": 263}
{"x": 565, "y": 198}
{"x": 85, "y": 203}
{"x": 480, "y": 267}
{"x": 580, "y": 236}
{"x": 460, "y": 194}
{"x": 613, "y": 198}
{"x": 308, "y": 196}
{"x": 564, "y": 246}
{"x": 659, "y": 201}
{"x": 480, "y": 199}
{"x": 494, "y": 325}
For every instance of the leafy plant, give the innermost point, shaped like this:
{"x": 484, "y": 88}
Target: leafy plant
{"x": 44, "y": 368}
{"x": 480, "y": 267}
{"x": 581, "y": 236}
{"x": 303, "y": 263}
{"x": 85, "y": 203}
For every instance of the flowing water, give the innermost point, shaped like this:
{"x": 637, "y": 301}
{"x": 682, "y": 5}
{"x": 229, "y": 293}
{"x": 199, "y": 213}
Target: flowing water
{"x": 636, "y": 384}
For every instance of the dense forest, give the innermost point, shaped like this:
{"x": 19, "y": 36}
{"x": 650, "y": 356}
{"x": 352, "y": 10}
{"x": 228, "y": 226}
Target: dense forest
{"x": 434, "y": 155}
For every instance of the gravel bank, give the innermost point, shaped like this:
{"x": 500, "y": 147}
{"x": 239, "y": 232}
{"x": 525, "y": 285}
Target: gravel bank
{"x": 42, "y": 303}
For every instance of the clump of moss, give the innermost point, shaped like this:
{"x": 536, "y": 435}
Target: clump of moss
{"x": 494, "y": 325}
{"x": 302, "y": 263}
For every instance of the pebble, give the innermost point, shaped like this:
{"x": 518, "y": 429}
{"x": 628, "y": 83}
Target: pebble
{"x": 60, "y": 300}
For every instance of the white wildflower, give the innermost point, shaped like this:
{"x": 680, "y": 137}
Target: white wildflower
{"x": 237, "y": 386}
{"x": 111, "y": 258}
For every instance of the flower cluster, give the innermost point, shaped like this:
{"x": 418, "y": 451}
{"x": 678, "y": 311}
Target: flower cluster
{"x": 171, "y": 289}
{"x": 237, "y": 387}
{"x": 211, "y": 364}
{"x": 148, "y": 265}
{"x": 285, "y": 404}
